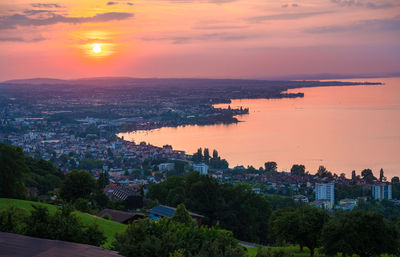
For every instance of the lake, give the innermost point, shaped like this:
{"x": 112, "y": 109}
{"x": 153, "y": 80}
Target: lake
{"x": 343, "y": 128}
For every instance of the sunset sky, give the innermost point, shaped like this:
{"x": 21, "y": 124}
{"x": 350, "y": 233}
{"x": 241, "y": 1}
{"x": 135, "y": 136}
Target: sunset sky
{"x": 199, "y": 38}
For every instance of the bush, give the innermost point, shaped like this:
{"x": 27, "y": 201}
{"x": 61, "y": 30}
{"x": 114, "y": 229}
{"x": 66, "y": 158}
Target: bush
{"x": 106, "y": 217}
{"x": 82, "y": 205}
{"x": 62, "y": 225}
{"x": 12, "y": 220}
{"x": 165, "y": 238}
{"x": 268, "y": 252}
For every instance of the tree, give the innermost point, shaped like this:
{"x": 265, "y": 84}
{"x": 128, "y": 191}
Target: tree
{"x": 101, "y": 181}
{"x": 77, "y": 184}
{"x": 43, "y": 175}
{"x": 198, "y": 156}
{"x": 381, "y": 176}
{"x": 235, "y": 207}
{"x": 166, "y": 238}
{"x": 269, "y": 252}
{"x": 12, "y": 220}
{"x": 353, "y": 176}
{"x": 395, "y": 180}
{"x": 12, "y": 170}
{"x": 302, "y": 226}
{"x": 323, "y": 172}
{"x": 368, "y": 175}
{"x": 270, "y": 167}
{"x": 298, "y": 169}
{"x": 206, "y": 155}
{"x": 181, "y": 215}
{"x": 362, "y": 233}
{"x": 215, "y": 154}
{"x": 62, "y": 225}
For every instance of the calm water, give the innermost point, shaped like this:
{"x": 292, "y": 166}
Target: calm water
{"x": 342, "y": 128}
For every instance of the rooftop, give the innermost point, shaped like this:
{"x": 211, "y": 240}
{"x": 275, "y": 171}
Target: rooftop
{"x": 25, "y": 246}
{"x": 166, "y": 211}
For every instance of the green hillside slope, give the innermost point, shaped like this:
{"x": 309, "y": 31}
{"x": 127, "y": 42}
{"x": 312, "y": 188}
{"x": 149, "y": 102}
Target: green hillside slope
{"x": 110, "y": 228}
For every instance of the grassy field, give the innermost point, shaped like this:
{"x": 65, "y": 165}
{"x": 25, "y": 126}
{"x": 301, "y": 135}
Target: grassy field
{"x": 110, "y": 228}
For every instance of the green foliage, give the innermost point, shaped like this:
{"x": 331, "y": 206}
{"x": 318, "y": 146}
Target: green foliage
{"x": 77, "y": 184}
{"x": 147, "y": 238}
{"x": 102, "y": 181}
{"x": 362, "y": 233}
{"x": 324, "y": 173}
{"x": 281, "y": 202}
{"x": 368, "y": 176}
{"x": 82, "y": 205}
{"x": 269, "y": 252}
{"x": 110, "y": 228}
{"x": 181, "y": 215}
{"x": 43, "y": 175}
{"x": 198, "y": 156}
{"x": 271, "y": 167}
{"x": 236, "y": 208}
{"x": 396, "y": 190}
{"x": 89, "y": 164}
{"x": 62, "y": 225}
{"x": 302, "y": 226}
{"x": 93, "y": 235}
{"x": 298, "y": 169}
{"x": 385, "y": 207}
{"x": 343, "y": 191}
{"x": 12, "y": 169}
{"x": 12, "y": 220}
{"x": 215, "y": 161}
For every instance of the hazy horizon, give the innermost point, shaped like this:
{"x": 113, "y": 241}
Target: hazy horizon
{"x": 198, "y": 38}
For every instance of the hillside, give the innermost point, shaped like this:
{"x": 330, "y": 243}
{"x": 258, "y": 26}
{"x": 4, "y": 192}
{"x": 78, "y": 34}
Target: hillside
{"x": 110, "y": 228}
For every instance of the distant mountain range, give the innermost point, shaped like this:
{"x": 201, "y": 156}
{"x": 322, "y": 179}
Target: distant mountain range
{"x": 128, "y": 80}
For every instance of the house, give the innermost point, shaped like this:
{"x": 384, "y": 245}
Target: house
{"x": 120, "y": 216}
{"x": 323, "y": 204}
{"x": 119, "y": 192}
{"x": 347, "y": 204}
{"x": 257, "y": 190}
{"x": 166, "y": 166}
{"x": 300, "y": 198}
{"x": 201, "y": 167}
{"x": 32, "y": 192}
{"x": 163, "y": 211}
{"x": 26, "y": 246}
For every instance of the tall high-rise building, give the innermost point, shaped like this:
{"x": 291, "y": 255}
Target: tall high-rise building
{"x": 325, "y": 191}
{"x": 382, "y": 191}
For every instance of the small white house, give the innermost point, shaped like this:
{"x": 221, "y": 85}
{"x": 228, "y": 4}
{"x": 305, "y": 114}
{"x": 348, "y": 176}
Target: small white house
{"x": 166, "y": 166}
{"x": 201, "y": 167}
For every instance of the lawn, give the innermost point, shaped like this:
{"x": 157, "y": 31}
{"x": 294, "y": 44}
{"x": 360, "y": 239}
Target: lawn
{"x": 110, "y": 228}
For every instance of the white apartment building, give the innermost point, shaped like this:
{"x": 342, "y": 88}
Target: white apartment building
{"x": 382, "y": 191}
{"x": 325, "y": 191}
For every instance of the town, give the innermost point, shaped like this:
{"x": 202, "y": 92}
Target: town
{"x": 63, "y": 139}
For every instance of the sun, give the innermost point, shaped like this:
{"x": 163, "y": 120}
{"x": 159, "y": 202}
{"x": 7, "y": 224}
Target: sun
{"x": 96, "y": 48}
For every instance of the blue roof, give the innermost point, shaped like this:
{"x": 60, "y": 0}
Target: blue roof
{"x": 166, "y": 211}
